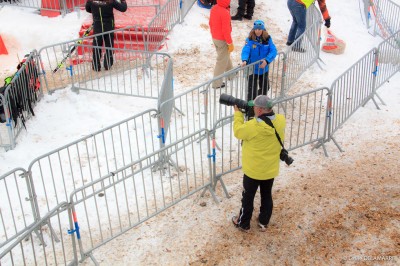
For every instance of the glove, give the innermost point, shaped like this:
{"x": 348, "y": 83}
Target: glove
{"x": 328, "y": 22}
{"x": 230, "y": 47}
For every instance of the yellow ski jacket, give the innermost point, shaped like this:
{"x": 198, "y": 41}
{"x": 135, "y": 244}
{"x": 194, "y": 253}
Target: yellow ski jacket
{"x": 260, "y": 147}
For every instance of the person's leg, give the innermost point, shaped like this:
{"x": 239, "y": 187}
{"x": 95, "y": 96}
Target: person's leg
{"x": 108, "y": 58}
{"x": 97, "y": 41}
{"x": 266, "y": 201}
{"x": 298, "y": 12}
{"x": 251, "y": 93}
{"x": 223, "y": 61}
{"x": 252, "y": 87}
{"x": 301, "y": 17}
{"x": 240, "y": 10}
{"x": 249, "y": 191}
{"x": 250, "y": 9}
{"x": 263, "y": 81}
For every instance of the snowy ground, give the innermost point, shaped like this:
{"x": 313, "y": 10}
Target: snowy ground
{"x": 344, "y": 209}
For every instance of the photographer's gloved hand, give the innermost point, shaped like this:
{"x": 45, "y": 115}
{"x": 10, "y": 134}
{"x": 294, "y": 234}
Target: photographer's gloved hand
{"x": 230, "y": 47}
{"x": 328, "y": 22}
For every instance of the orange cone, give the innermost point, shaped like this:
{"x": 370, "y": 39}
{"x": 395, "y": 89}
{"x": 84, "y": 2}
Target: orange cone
{"x": 3, "y": 49}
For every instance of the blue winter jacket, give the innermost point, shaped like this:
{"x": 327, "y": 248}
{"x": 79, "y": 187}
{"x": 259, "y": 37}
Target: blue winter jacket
{"x": 257, "y": 49}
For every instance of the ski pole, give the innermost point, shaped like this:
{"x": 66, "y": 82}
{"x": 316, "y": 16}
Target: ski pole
{"x": 85, "y": 34}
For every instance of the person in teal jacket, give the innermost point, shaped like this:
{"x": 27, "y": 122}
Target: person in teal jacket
{"x": 260, "y": 159}
{"x": 260, "y": 48}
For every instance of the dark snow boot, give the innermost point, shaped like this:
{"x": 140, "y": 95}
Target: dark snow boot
{"x": 247, "y": 16}
{"x": 238, "y": 17}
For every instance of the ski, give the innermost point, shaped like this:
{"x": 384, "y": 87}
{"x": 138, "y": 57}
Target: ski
{"x": 85, "y": 34}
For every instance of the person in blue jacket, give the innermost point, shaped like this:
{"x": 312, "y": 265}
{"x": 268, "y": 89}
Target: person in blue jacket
{"x": 260, "y": 48}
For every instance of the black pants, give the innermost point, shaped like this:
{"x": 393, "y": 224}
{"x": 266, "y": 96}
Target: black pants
{"x": 257, "y": 85}
{"x": 246, "y": 6}
{"x": 108, "y": 40}
{"x": 250, "y": 187}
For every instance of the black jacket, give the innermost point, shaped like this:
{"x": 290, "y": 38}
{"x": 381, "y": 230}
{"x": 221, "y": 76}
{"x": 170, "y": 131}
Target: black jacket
{"x": 102, "y": 12}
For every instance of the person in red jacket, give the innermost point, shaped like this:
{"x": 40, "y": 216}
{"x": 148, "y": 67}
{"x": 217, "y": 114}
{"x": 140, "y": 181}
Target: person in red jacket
{"x": 221, "y": 28}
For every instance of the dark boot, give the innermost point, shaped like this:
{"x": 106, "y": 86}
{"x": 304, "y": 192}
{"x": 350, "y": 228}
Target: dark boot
{"x": 238, "y": 17}
{"x": 247, "y": 16}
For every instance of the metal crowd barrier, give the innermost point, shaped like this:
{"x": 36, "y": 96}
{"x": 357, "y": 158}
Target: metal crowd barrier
{"x": 351, "y": 90}
{"x": 59, "y": 65}
{"x": 386, "y": 16}
{"x": 185, "y": 6}
{"x": 134, "y": 73}
{"x": 56, "y": 174}
{"x": 127, "y": 197}
{"x": 62, "y": 7}
{"x": 17, "y": 212}
{"x": 39, "y": 246}
{"x": 199, "y": 107}
{"x": 388, "y": 59}
{"x": 20, "y": 98}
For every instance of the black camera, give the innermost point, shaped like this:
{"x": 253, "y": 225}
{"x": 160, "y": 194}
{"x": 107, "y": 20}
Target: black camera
{"x": 285, "y": 157}
{"x": 231, "y": 101}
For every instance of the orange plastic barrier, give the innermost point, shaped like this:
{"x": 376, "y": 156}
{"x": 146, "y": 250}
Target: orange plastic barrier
{"x": 3, "y": 49}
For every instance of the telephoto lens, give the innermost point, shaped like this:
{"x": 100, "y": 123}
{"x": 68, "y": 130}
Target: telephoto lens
{"x": 231, "y": 101}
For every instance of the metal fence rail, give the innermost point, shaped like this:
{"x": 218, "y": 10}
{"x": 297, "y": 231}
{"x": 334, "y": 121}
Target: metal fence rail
{"x": 130, "y": 58}
{"x": 160, "y": 26}
{"x": 16, "y": 205}
{"x": 126, "y": 197}
{"x": 386, "y": 13}
{"x": 20, "y": 97}
{"x": 56, "y": 174}
{"x": 388, "y": 59}
{"x": 352, "y": 89}
{"x": 185, "y": 6}
{"x": 199, "y": 107}
{"x": 305, "y": 124}
{"x": 39, "y": 246}
{"x": 56, "y": 7}
{"x": 134, "y": 73}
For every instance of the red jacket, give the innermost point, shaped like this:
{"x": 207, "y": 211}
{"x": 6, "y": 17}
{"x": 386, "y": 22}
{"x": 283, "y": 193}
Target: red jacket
{"x": 220, "y": 21}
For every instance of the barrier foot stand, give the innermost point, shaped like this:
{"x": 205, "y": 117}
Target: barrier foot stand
{"x": 159, "y": 165}
{"x": 75, "y": 89}
{"x": 337, "y": 144}
{"x": 219, "y": 178}
{"x": 380, "y": 99}
{"x": 179, "y": 111}
{"x": 53, "y": 233}
{"x": 39, "y": 234}
{"x": 319, "y": 144}
{"x": 373, "y": 100}
{"x": 89, "y": 255}
{"x": 209, "y": 188}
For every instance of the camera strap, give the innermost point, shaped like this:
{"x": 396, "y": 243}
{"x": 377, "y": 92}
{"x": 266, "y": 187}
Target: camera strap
{"x": 269, "y": 122}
